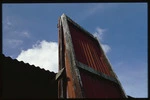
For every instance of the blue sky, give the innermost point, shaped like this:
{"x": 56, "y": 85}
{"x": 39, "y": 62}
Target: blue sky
{"x": 31, "y": 29}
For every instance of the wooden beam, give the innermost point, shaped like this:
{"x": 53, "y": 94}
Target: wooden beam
{"x": 70, "y": 56}
{"x": 62, "y": 81}
{"x": 97, "y": 73}
{"x": 59, "y": 74}
{"x": 81, "y": 28}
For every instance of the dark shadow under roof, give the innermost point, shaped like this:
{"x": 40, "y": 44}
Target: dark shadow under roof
{"x": 21, "y": 80}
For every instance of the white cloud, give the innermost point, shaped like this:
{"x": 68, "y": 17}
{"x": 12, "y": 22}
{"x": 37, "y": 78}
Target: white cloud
{"x": 100, "y": 7}
{"x": 43, "y": 54}
{"x": 12, "y": 43}
{"x": 99, "y": 35}
{"x": 8, "y": 23}
{"x": 11, "y": 26}
{"x": 91, "y": 10}
{"x": 15, "y": 42}
{"x": 97, "y": 8}
{"x": 25, "y": 34}
{"x": 106, "y": 48}
{"x": 14, "y": 36}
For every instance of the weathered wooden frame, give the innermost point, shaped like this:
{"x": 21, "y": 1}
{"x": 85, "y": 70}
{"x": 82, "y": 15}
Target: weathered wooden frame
{"x": 76, "y": 65}
{"x": 62, "y": 81}
{"x": 94, "y": 72}
{"x": 69, "y": 52}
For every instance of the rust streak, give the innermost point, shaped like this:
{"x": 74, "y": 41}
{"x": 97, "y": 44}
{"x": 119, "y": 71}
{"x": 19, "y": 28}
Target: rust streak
{"x": 96, "y": 59}
{"x": 104, "y": 67}
{"x": 91, "y": 56}
{"x": 99, "y": 60}
{"x": 83, "y": 51}
{"x": 108, "y": 71}
{"x": 87, "y": 54}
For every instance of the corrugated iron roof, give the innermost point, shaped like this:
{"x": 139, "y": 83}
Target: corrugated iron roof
{"x": 3, "y": 57}
{"x": 22, "y": 80}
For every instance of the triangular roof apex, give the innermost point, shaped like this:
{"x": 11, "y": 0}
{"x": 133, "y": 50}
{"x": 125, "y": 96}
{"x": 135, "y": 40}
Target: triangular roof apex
{"x": 63, "y": 15}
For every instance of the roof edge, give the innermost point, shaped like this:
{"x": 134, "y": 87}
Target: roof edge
{"x": 32, "y": 65}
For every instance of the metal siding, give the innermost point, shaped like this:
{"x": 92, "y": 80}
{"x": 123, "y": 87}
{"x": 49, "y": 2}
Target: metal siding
{"x": 88, "y": 71}
{"x": 99, "y": 88}
{"x": 87, "y": 50}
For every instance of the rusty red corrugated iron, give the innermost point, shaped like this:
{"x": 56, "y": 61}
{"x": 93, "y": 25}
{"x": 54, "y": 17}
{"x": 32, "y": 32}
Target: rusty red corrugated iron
{"x": 95, "y": 87}
{"x": 22, "y": 80}
{"x": 88, "y": 72}
{"x": 87, "y": 50}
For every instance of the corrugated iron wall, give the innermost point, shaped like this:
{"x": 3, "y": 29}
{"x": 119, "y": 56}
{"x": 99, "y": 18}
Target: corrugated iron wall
{"x": 88, "y": 71}
{"x": 96, "y": 87}
{"x": 87, "y": 50}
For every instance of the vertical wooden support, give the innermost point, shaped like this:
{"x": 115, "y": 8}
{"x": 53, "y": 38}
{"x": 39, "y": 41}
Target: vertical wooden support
{"x": 73, "y": 84}
{"x": 62, "y": 81}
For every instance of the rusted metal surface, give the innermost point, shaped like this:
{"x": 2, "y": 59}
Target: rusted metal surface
{"x": 87, "y": 50}
{"x": 94, "y": 72}
{"x": 96, "y": 87}
{"x": 88, "y": 71}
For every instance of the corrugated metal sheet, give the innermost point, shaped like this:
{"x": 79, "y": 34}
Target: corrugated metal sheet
{"x": 88, "y": 71}
{"x": 87, "y": 50}
{"x": 21, "y": 80}
{"x": 96, "y": 87}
